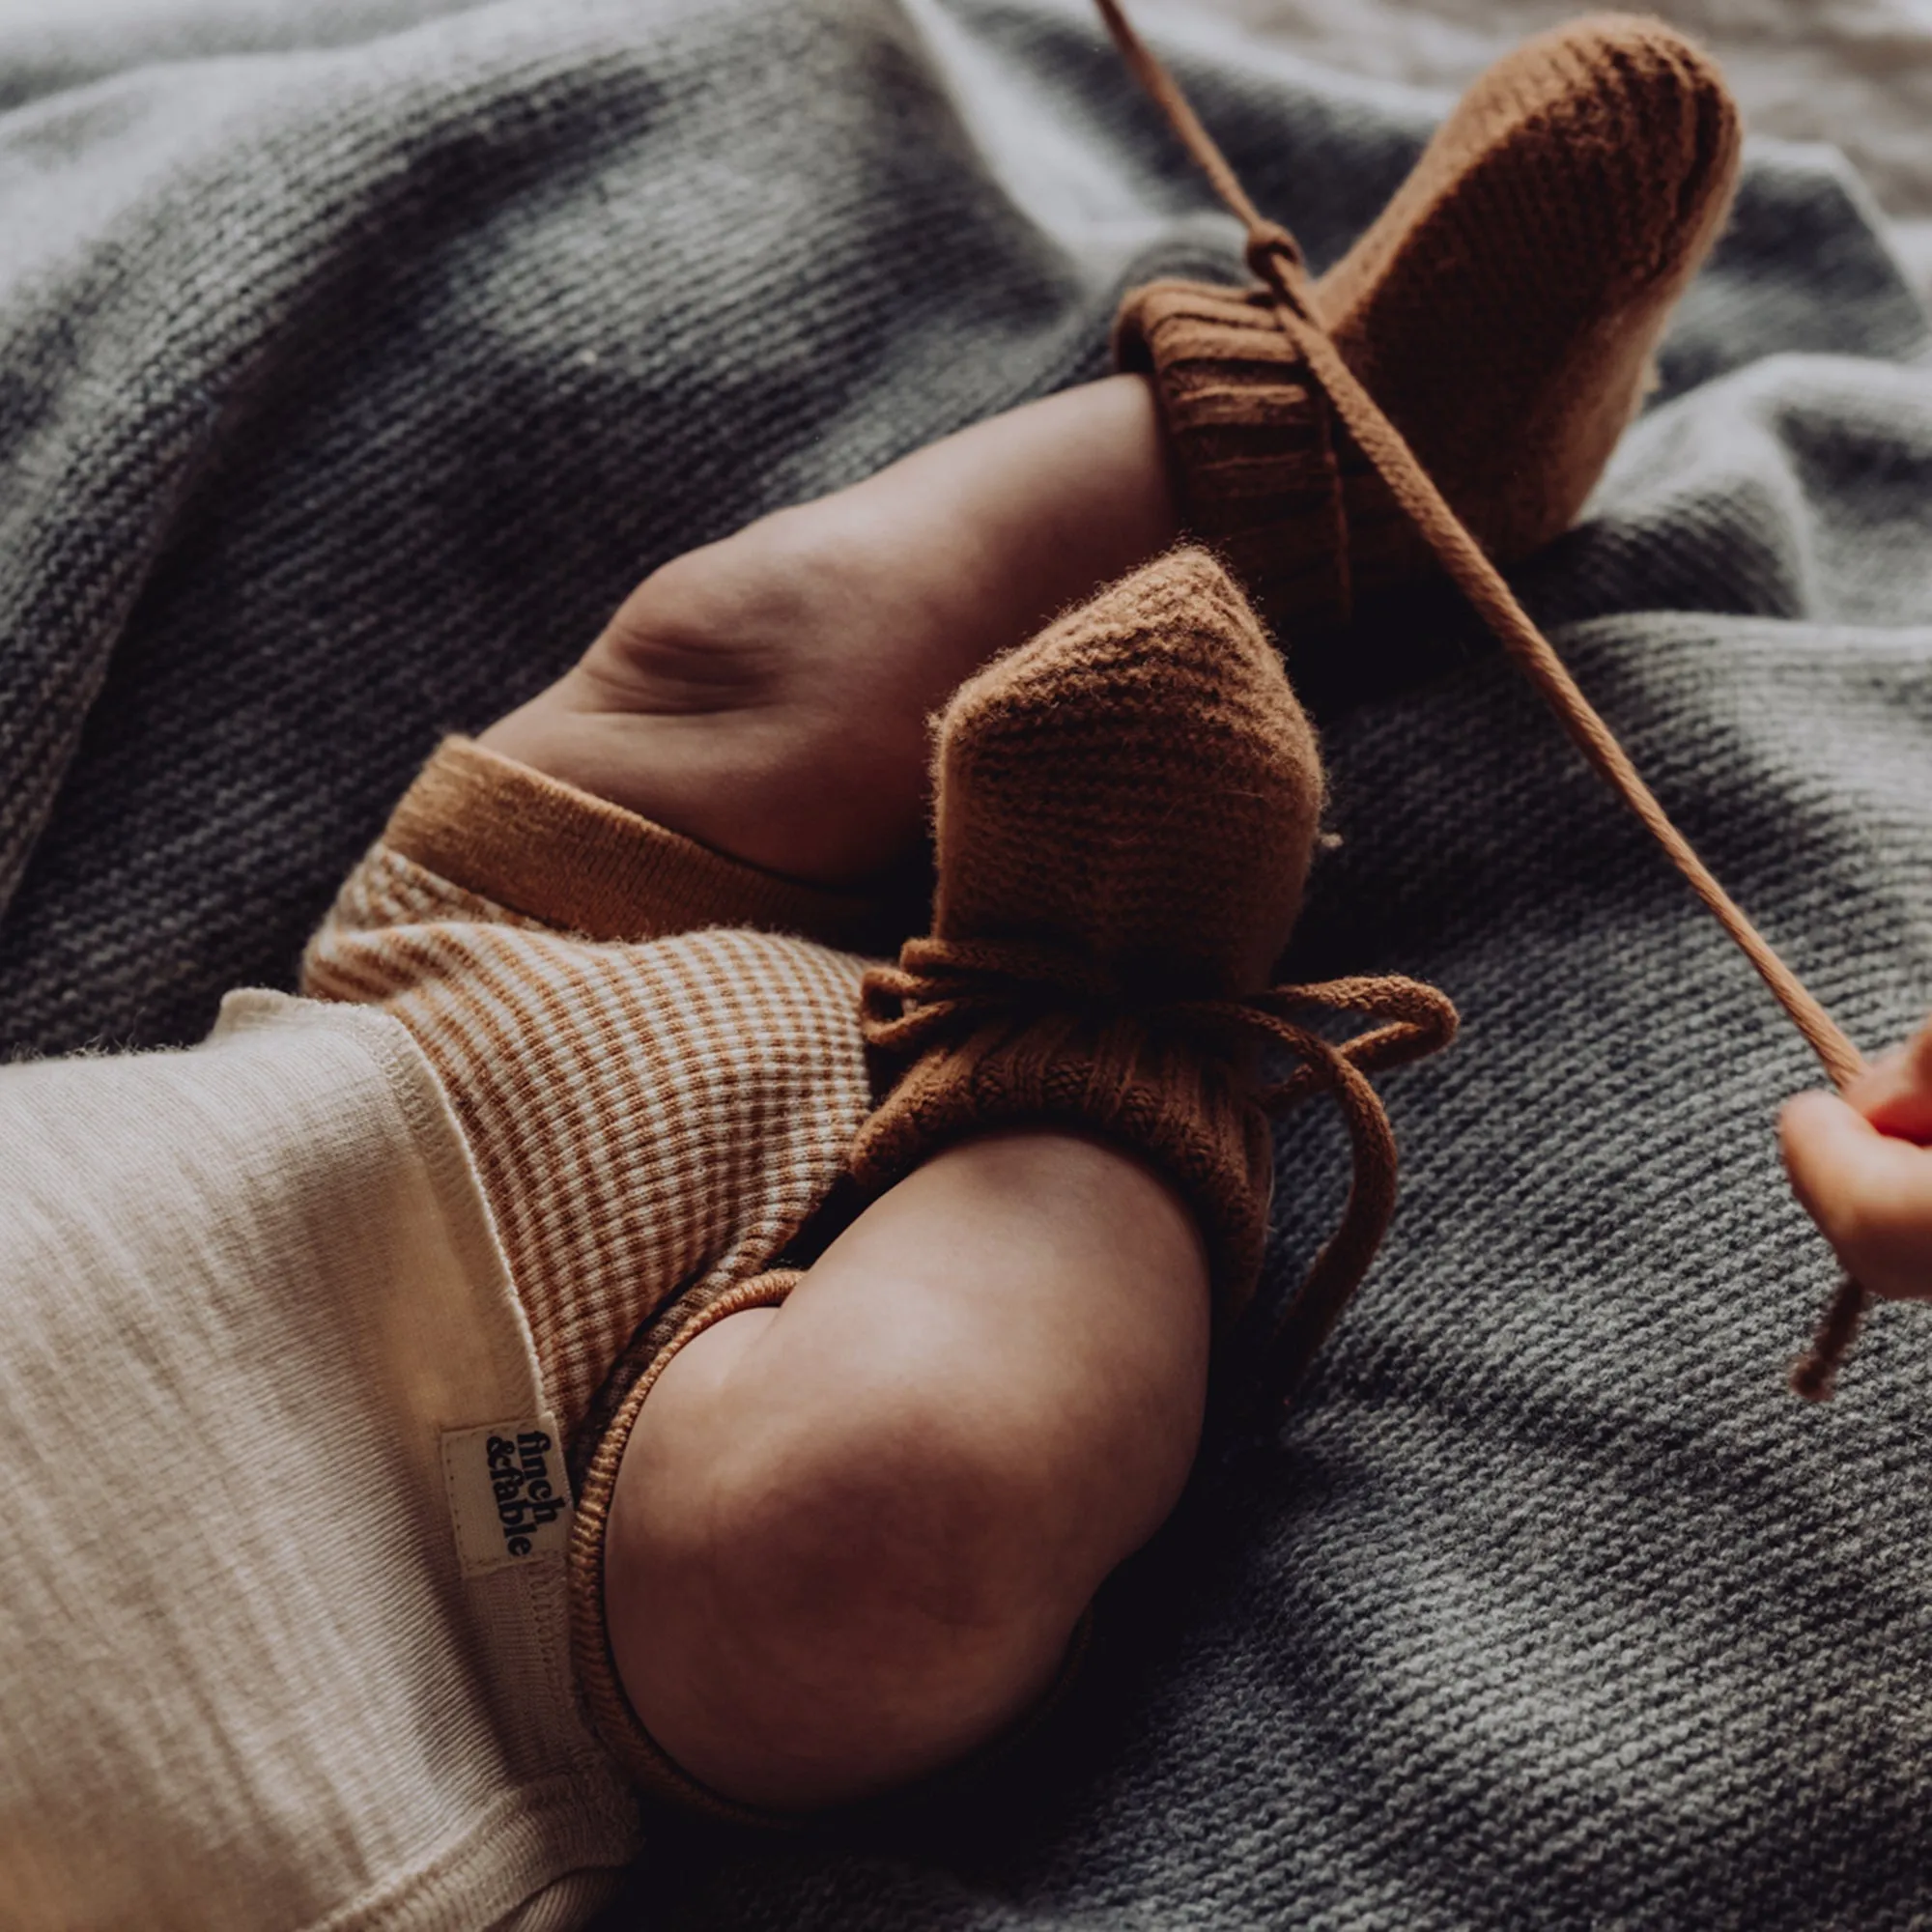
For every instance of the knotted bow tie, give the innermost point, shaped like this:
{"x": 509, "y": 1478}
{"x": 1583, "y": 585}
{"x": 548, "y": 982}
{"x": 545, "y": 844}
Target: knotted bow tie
{"x": 942, "y": 990}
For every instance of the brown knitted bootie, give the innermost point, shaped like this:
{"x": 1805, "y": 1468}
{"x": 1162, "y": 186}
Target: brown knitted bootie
{"x": 1126, "y": 809}
{"x": 1502, "y": 310}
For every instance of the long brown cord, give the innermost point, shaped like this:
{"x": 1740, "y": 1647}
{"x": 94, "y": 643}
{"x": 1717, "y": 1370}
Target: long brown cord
{"x": 1273, "y": 255}
{"x": 942, "y": 989}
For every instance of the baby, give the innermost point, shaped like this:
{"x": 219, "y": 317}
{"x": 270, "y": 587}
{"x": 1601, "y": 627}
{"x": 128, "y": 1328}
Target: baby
{"x": 875, "y": 1305}
{"x": 838, "y": 1527}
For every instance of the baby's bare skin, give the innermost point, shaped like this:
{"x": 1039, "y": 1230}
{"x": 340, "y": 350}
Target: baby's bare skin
{"x": 853, "y": 1536}
{"x": 768, "y": 695}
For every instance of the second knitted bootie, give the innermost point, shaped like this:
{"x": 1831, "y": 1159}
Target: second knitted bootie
{"x": 1126, "y": 809}
{"x": 1502, "y": 310}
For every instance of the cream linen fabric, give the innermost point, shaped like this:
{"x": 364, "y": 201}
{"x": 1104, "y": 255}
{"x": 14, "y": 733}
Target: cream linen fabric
{"x": 244, "y": 1681}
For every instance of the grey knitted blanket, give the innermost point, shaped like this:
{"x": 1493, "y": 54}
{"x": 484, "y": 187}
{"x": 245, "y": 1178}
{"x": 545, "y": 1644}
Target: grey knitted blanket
{"x": 356, "y": 355}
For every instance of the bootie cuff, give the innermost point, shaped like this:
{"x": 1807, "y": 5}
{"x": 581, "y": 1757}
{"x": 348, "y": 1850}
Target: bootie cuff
{"x": 1131, "y": 1079}
{"x": 1252, "y": 441}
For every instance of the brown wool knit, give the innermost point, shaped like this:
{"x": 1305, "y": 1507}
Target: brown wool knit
{"x": 1502, "y": 310}
{"x": 1127, "y": 806}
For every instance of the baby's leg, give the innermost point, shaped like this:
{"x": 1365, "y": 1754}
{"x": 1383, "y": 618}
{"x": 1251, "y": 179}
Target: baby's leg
{"x": 768, "y": 695}
{"x": 853, "y": 1536}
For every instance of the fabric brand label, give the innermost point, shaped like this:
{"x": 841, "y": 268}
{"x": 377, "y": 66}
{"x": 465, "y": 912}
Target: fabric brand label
{"x": 509, "y": 1498}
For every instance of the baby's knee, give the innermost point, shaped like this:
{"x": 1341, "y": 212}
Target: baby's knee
{"x": 844, "y": 1602}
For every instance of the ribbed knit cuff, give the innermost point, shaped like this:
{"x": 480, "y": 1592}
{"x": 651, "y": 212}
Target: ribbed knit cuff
{"x": 1253, "y": 443}
{"x": 638, "y": 1754}
{"x": 579, "y": 863}
{"x": 1190, "y": 1115}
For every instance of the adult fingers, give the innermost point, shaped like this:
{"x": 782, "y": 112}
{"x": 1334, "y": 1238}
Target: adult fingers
{"x": 1869, "y": 1193}
{"x": 1895, "y": 1092}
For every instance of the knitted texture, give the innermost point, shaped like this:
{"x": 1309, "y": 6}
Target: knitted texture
{"x": 1128, "y": 803}
{"x": 275, "y": 527}
{"x": 594, "y": 1473}
{"x": 1502, "y": 309}
{"x": 646, "y": 1116}
{"x": 1252, "y": 443}
{"x": 350, "y": 386}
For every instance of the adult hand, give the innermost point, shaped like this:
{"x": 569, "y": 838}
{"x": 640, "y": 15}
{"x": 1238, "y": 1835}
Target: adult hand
{"x": 1861, "y": 1166}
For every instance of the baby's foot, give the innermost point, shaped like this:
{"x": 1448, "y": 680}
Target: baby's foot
{"x": 768, "y": 695}
{"x": 1099, "y": 865}
{"x": 1504, "y": 307}
{"x": 1502, "y": 311}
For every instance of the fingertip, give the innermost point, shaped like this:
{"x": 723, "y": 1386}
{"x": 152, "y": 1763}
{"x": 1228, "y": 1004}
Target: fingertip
{"x": 1817, "y": 1136}
{"x": 1806, "y": 1115}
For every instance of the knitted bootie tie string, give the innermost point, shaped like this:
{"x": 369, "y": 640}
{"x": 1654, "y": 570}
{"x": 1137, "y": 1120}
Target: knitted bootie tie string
{"x": 942, "y": 990}
{"x": 1417, "y": 1020}
{"x": 1275, "y": 258}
